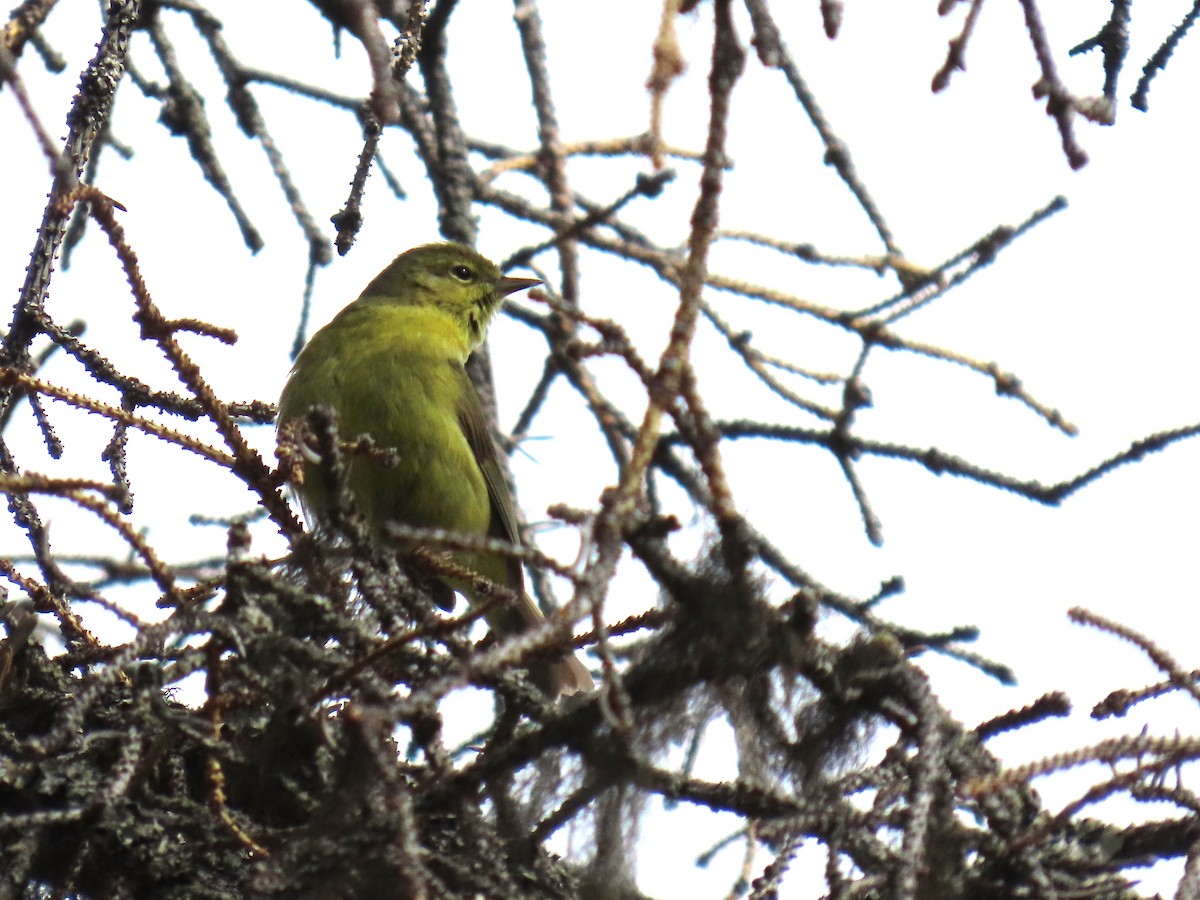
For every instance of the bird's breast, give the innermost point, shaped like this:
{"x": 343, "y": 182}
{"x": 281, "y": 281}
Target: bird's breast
{"x": 396, "y": 375}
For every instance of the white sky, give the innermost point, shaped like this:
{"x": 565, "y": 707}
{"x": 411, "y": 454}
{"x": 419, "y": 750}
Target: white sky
{"x": 1096, "y": 311}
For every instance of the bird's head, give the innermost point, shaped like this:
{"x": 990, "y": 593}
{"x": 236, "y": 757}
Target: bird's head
{"x": 451, "y": 277}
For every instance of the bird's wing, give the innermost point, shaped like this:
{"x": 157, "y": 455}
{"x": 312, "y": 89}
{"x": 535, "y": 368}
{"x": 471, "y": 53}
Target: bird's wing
{"x": 565, "y": 675}
{"x": 479, "y": 438}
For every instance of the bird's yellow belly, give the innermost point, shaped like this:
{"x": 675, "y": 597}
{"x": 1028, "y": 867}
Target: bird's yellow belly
{"x": 436, "y": 482}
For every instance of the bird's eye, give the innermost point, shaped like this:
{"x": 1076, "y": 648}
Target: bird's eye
{"x": 462, "y": 273}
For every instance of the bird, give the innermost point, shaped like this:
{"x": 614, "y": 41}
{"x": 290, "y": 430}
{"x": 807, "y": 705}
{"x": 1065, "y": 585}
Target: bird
{"x": 392, "y": 367}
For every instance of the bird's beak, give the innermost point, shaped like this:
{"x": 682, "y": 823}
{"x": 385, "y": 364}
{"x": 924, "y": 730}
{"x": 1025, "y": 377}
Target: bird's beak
{"x": 506, "y": 286}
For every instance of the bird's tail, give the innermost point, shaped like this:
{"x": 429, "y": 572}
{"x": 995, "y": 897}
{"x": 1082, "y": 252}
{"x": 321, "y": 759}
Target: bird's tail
{"x": 554, "y": 677}
{"x": 557, "y": 677}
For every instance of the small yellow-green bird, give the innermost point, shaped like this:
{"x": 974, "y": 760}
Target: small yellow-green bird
{"x": 391, "y": 366}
